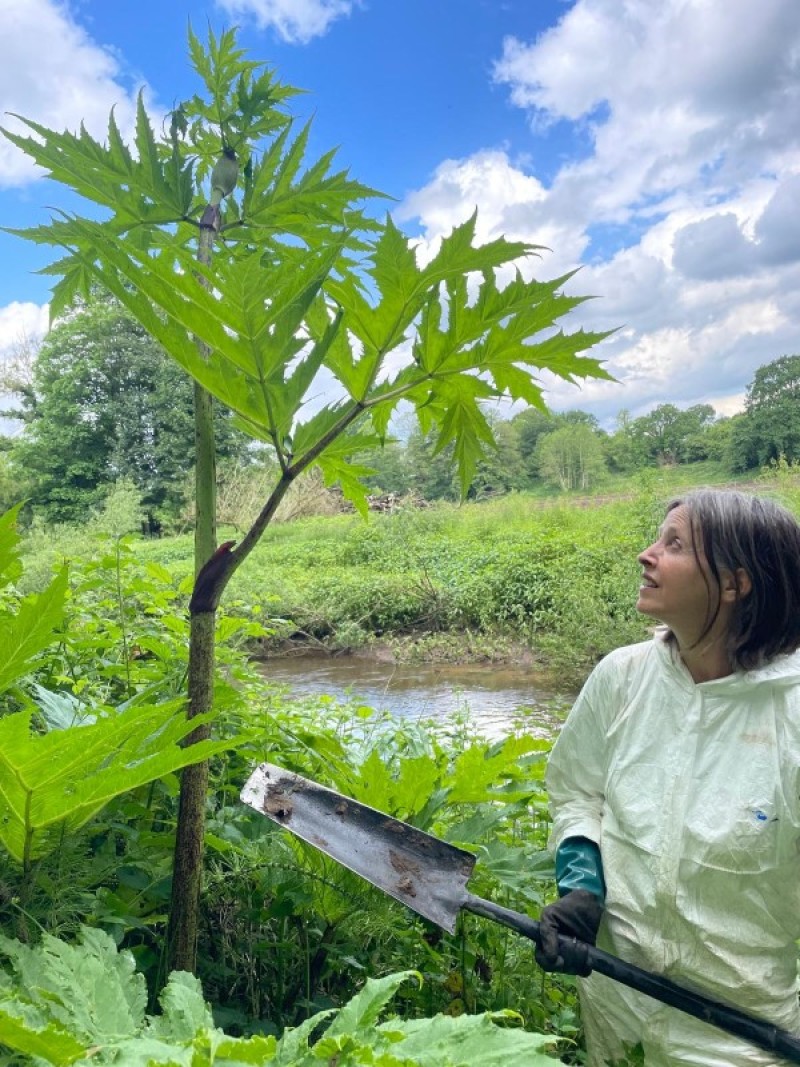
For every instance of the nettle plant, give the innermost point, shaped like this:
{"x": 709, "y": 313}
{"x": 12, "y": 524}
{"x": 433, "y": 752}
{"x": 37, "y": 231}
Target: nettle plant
{"x": 262, "y": 275}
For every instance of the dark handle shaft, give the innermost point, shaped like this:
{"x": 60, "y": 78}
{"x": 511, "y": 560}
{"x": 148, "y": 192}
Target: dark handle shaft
{"x": 735, "y": 1022}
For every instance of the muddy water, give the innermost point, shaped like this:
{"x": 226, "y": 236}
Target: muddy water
{"x": 498, "y": 700}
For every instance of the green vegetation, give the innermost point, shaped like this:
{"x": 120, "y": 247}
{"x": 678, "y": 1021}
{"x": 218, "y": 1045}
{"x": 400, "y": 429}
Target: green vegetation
{"x": 100, "y": 1019}
{"x": 552, "y": 576}
{"x": 104, "y": 405}
{"x": 88, "y": 804}
{"x": 89, "y": 724}
{"x": 770, "y": 426}
{"x": 534, "y": 451}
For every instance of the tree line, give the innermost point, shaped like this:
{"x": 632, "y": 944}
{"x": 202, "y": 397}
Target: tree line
{"x": 99, "y": 403}
{"x": 571, "y": 451}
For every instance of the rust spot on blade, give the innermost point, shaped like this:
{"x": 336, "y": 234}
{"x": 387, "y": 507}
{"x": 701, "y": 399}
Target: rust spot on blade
{"x": 406, "y": 886}
{"x": 394, "y": 827}
{"x": 402, "y": 864}
{"x": 341, "y": 809}
{"x": 277, "y": 803}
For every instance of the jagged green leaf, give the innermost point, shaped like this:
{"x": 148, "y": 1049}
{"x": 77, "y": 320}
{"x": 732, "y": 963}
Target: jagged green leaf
{"x": 26, "y": 1031}
{"x": 136, "y": 191}
{"x": 84, "y": 1004}
{"x": 88, "y": 989}
{"x": 463, "y": 423}
{"x": 10, "y": 564}
{"x": 57, "y": 781}
{"x": 294, "y": 1044}
{"x": 383, "y": 326}
{"x": 281, "y": 197}
{"x": 30, "y": 628}
{"x": 459, "y": 256}
{"x": 364, "y": 1009}
{"x": 465, "y": 1040}
{"x": 184, "y": 1012}
{"x": 355, "y": 370}
{"x": 339, "y": 469}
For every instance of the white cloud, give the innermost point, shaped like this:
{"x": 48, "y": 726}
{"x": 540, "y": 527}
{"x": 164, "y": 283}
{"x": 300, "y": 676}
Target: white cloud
{"x": 80, "y": 80}
{"x": 296, "y": 21}
{"x": 20, "y": 323}
{"x": 508, "y": 200}
{"x": 685, "y": 210}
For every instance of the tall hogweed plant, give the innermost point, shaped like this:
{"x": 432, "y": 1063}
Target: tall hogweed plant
{"x": 259, "y": 272}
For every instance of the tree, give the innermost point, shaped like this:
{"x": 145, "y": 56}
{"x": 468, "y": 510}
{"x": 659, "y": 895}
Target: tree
{"x": 717, "y": 439}
{"x": 576, "y": 417}
{"x": 571, "y": 457}
{"x": 106, "y": 404}
{"x": 771, "y": 424}
{"x": 302, "y": 281}
{"x": 432, "y": 471}
{"x": 668, "y": 434}
{"x": 10, "y": 486}
{"x": 501, "y": 468}
{"x": 529, "y": 425}
{"x": 623, "y": 448}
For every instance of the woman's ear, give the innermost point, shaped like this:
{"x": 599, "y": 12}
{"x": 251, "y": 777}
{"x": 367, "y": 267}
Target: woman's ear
{"x": 736, "y": 585}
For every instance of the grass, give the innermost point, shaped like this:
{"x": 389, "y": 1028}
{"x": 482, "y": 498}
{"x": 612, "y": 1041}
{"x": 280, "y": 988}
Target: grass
{"x": 552, "y": 577}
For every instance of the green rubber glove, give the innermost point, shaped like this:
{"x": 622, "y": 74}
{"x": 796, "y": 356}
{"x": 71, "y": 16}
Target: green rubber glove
{"x": 580, "y": 866}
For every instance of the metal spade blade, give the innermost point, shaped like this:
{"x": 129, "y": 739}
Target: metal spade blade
{"x": 415, "y": 868}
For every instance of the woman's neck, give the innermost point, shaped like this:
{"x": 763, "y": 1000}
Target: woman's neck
{"x": 707, "y": 659}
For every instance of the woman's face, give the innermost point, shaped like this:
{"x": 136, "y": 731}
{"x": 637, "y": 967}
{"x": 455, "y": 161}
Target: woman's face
{"x": 677, "y": 588}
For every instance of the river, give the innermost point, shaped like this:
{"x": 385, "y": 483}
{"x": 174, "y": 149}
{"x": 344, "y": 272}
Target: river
{"x": 498, "y": 699}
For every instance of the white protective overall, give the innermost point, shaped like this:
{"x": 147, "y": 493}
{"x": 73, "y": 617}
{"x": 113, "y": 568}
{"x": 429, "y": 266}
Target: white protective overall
{"x": 692, "y": 793}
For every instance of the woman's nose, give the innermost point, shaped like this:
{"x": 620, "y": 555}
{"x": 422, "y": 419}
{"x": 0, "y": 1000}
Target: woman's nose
{"x": 647, "y": 554}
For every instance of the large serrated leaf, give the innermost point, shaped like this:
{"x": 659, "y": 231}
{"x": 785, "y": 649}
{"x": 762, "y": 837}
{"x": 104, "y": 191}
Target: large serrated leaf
{"x": 28, "y": 630}
{"x": 57, "y": 781}
{"x": 10, "y": 565}
{"x": 364, "y": 1010}
{"x": 466, "y": 1040}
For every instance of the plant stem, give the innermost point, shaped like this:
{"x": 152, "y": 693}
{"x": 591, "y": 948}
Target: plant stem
{"x": 187, "y": 872}
{"x": 122, "y": 620}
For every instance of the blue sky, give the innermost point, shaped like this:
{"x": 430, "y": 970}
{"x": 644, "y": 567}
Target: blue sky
{"x": 654, "y": 143}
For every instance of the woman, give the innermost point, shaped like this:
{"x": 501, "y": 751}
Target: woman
{"x": 675, "y": 790}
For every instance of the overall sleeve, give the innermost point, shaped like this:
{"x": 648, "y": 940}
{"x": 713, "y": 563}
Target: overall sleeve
{"x": 576, "y": 773}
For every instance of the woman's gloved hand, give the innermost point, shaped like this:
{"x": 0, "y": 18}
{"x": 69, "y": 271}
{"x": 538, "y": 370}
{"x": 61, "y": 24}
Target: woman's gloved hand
{"x": 576, "y": 915}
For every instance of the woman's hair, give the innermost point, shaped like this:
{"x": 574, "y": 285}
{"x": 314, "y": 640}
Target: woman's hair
{"x": 735, "y": 530}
